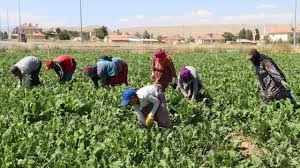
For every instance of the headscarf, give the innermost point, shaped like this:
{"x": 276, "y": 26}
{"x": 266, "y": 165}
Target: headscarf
{"x": 256, "y": 57}
{"x": 90, "y": 71}
{"x": 161, "y": 56}
{"x": 49, "y": 64}
{"x": 185, "y": 75}
{"x": 105, "y": 58}
{"x": 14, "y": 70}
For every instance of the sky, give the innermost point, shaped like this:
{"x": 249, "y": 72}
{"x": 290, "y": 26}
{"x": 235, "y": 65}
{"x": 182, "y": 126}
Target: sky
{"x": 134, "y": 13}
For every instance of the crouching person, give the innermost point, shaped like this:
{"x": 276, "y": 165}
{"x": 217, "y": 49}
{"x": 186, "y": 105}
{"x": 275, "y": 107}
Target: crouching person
{"x": 271, "y": 79}
{"x": 150, "y": 104}
{"x": 28, "y": 66}
{"x": 121, "y": 69}
{"x": 64, "y": 66}
{"x": 189, "y": 82}
{"x": 106, "y": 71}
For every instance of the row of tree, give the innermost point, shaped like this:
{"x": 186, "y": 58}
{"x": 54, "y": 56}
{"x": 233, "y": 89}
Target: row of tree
{"x": 68, "y": 34}
{"x": 243, "y": 34}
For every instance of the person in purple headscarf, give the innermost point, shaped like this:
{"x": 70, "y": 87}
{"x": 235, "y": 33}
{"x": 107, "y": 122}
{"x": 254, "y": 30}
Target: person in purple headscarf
{"x": 189, "y": 82}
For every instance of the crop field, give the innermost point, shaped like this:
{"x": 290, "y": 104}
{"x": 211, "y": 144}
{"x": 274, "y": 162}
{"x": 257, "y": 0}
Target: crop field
{"x": 74, "y": 125}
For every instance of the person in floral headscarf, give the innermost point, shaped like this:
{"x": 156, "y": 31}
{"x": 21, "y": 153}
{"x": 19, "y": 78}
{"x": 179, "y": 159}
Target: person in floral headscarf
{"x": 189, "y": 82}
{"x": 163, "y": 69}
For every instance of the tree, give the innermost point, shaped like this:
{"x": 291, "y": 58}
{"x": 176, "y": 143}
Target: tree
{"x": 257, "y": 36}
{"x": 102, "y": 32}
{"x": 146, "y": 35}
{"x": 242, "y": 34}
{"x": 160, "y": 38}
{"x": 191, "y": 39}
{"x": 229, "y": 36}
{"x": 64, "y": 35}
{"x": 267, "y": 39}
{"x": 249, "y": 35}
{"x": 137, "y": 35}
{"x": 58, "y": 30}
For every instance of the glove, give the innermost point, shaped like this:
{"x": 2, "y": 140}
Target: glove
{"x": 285, "y": 85}
{"x": 149, "y": 120}
{"x": 152, "y": 76}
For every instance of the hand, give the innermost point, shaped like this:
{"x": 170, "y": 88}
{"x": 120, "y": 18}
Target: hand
{"x": 285, "y": 85}
{"x": 152, "y": 76}
{"x": 149, "y": 120}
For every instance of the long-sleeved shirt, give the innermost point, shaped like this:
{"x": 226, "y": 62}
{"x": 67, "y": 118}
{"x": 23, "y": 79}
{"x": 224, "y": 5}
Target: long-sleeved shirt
{"x": 105, "y": 69}
{"x": 195, "y": 81}
{"x": 119, "y": 63}
{"x": 66, "y": 62}
{"x": 270, "y": 78}
{"x": 28, "y": 64}
{"x": 163, "y": 74}
{"x": 146, "y": 96}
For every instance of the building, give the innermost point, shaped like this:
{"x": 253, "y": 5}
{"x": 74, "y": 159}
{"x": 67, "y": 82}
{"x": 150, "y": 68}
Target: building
{"x": 210, "y": 39}
{"x": 175, "y": 39}
{"x": 283, "y": 35}
{"x": 32, "y": 32}
{"x": 115, "y": 38}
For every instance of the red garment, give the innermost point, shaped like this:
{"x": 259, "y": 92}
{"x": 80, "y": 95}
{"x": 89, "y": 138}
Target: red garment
{"x": 120, "y": 78}
{"x": 67, "y": 62}
{"x": 113, "y": 81}
{"x": 164, "y": 71}
{"x": 123, "y": 75}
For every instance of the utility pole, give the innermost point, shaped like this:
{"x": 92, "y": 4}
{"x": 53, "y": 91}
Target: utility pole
{"x": 7, "y": 20}
{"x": 295, "y": 26}
{"x": 1, "y": 34}
{"x": 20, "y": 23}
{"x": 81, "y": 35}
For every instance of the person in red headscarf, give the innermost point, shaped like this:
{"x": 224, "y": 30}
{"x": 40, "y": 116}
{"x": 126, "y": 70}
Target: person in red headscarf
{"x": 163, "y": 69}
{"x": 64, "y": 66}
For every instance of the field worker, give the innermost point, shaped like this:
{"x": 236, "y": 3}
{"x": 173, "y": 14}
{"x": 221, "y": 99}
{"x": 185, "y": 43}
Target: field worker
{"x": 150, "y": 104}
{"x": 163, "y": 69}
{"x": 122, "y": 68}
{"x": 64, "y": 66}
{"x": 271, "y": 79}
{"x": 189, "y": 82}
{"x": 29, "y": 65}
{"x": 106, "y": 71}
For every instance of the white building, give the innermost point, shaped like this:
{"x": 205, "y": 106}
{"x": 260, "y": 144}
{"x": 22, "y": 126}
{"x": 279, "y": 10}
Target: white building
{"x": 282, "y": 35}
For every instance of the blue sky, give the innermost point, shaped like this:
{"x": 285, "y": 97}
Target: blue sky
{"x": 131, "y": 13}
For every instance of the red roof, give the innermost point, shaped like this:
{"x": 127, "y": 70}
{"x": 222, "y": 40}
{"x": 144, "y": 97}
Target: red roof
{"x": 283, "y": 31}
{"x": 211, "y": 37}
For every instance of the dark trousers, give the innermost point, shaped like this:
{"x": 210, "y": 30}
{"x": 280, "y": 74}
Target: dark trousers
{"x": 34, "y": 76}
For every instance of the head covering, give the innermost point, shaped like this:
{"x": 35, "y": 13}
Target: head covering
{"x": 49, "y": 64}
{"x": 159, "y": 54}
{"x": 14, "y": 70}
{"x": 90, "y": 70}
{"x": 127, "y": 95}
{"x": 256, "y": 57}
{"x": 185, "y": 75}
{"x": 105, "y": 58}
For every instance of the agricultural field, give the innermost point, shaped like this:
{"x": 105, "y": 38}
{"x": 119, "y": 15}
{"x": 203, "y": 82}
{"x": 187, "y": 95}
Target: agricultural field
{"x": 74, "y": 125}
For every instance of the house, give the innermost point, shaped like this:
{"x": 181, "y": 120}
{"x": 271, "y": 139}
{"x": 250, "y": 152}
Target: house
{"x": 282, "y": 34}
{"x": 175, "y": 39}
{"x": 143, "y": 41}
{"x": 115, "y": 38}
{"x": 32, "y": 32}
{"x": 210, "y": 39}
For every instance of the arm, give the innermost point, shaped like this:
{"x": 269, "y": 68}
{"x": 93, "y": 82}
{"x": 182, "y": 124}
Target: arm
{"x": 271, "y": 69}
{"x": 140, "y": 115}
{"x": 195, "y": 88}
{"x": 155, "y": 102}
{"x": 103, "y": 79}
{"x": 59, "y": 71}
{"x": 96, "y": 84}
{"x": 181, "y": 87}
{"x": 172, "y": 69}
